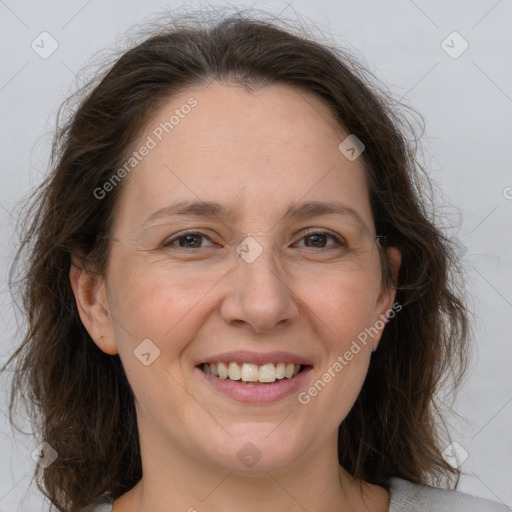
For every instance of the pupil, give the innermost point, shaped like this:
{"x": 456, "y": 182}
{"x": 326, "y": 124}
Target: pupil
{"x": 188, "y": 237}
{"x": 311, "y": 237}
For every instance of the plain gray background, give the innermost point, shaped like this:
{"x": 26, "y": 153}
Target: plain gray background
{"x": 467, "y": 105}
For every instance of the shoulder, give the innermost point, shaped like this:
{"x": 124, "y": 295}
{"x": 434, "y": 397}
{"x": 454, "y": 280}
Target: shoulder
{"x": 408, "y": 497}
{"x": 102, "y": 505}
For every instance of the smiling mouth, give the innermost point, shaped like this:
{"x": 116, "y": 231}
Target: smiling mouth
{"x": 252, "y": 374}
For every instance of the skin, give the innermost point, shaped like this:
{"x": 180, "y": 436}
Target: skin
{"x": 256, "y": 152}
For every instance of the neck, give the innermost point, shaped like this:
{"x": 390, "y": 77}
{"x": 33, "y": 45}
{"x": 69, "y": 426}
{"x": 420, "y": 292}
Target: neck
{"x": 176, "y": 480}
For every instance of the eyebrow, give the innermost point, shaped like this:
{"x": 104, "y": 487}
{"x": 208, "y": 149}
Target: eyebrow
{"x": 208, "y": 209}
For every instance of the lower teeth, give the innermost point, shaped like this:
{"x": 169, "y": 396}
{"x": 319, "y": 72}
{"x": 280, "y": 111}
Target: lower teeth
{"x": 253, "y": 383}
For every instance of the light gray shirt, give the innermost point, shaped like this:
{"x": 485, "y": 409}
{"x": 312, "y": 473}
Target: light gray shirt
{"x": 405, "y": 497}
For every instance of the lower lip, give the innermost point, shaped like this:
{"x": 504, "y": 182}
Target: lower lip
{"x": 258, "y": 394}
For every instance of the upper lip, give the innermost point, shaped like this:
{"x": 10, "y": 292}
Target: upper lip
{"x": 259, "y": 358}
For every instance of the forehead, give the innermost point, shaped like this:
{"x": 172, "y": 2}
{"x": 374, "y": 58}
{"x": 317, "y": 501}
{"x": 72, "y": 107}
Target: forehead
{"x": 256, "y": 152}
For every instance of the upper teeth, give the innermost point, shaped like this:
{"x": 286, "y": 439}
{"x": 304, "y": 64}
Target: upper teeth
{"x": 252, "y": 372}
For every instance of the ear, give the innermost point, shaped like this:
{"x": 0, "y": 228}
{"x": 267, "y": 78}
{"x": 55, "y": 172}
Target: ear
{"x": 384, "y": 305}
{"x": 92, "y": 302}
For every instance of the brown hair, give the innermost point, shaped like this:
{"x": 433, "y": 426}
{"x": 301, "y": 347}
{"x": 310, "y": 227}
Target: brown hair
{"x": 79, "y": 397}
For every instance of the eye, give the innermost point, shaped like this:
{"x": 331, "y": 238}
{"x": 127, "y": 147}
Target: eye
{"x": 316, "y": 239}
{"x": 193, "y": 239}
{"x": 186, "y": 240}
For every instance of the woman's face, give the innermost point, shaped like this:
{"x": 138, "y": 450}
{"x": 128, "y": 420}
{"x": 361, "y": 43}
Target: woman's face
{"x": 290, "y": 292}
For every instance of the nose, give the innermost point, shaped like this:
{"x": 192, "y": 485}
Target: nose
{"x": 260, "y": 296}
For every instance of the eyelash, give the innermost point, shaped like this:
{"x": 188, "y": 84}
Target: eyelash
{"x": 339, "y": 240}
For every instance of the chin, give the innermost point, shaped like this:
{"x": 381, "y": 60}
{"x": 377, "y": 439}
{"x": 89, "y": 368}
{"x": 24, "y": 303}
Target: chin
{"x": 251, "y": 454}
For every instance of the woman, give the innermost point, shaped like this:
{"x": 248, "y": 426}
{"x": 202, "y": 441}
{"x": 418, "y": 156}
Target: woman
{"x": 233, "y": 226}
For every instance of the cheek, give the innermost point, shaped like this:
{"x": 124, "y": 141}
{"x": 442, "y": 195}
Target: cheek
{"x": 344, "y": 303}
{"x": 147, "y": 305}
{"x": 343, "y": 309}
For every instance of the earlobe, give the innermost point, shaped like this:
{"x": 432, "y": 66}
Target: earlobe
{"x": 91, "y": 299}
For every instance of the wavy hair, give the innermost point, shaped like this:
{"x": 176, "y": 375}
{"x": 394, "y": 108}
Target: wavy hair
{"x": 79, "y": 398}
